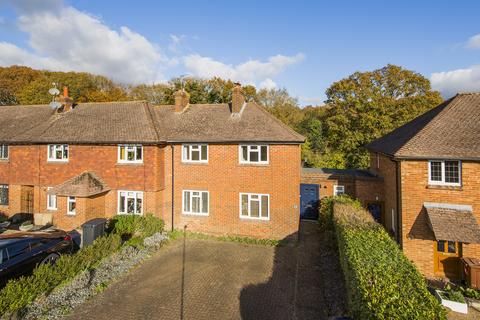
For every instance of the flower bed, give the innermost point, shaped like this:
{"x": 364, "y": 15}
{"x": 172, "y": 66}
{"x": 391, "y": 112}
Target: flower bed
{"x": 381, "y": 282}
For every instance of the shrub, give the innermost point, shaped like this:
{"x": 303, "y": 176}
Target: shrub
{"x": 381, "y": 282}
{"x": 134, "y": 226}
{"x": 20, "y": 292}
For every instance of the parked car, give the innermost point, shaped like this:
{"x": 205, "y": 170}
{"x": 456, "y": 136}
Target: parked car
{"x": 22, "y": 252}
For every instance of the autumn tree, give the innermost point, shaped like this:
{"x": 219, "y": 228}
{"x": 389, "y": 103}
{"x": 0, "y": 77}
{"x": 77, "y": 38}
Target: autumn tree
{"x": 367, "y": 105}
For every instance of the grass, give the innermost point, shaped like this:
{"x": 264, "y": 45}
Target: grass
{"x": 175, "y": 234}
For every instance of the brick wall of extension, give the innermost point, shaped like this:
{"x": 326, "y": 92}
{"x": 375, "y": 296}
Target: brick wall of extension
{"x": 222, "y": 176}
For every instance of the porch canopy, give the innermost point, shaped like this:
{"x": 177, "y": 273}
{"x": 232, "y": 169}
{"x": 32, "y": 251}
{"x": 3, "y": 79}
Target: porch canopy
{"x": 85, "y": 185}
{"x": 453, "y": 222}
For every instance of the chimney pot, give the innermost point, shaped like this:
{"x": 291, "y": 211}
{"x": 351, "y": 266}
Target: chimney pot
{"x": 65, "y": 92}
{"x": 66, "y": 101}
{"x": 182, "y": 99}
{"x": 238, "y": 99}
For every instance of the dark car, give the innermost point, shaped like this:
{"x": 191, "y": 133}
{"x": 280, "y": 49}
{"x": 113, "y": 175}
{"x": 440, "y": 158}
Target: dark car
{"x": 21, "y": 253}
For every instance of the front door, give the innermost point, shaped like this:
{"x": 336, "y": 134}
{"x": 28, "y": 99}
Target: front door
{"x": 26, "y": 203}
{"x": 376, "y": 210}
{"x": 309, "y": 201}
{"x": 447, "y": 258}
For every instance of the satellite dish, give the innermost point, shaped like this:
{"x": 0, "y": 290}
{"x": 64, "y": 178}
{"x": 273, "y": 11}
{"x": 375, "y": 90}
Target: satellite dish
{"x": 54, "y": 91}
{"x": 55, "y": 105}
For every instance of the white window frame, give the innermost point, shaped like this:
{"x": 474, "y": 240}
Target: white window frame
{"x": 4, "y": 147}
{"x": 187, "y": 158}
{"x": 249, "y": 217}
{"x": 249, "y": 149}
{"x": 71, "y": 199}
{"x": 137, "y": 193}
{"x": 51, "y": 196}
{"x": 338, "y": 190}
{"x": 190, "y": 212}
{"x": 58, "y": 147}
{"x": 130, "y": 148}
{"x": 442, "y": 182}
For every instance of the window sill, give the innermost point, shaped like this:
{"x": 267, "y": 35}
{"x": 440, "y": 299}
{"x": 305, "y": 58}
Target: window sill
{"x": 255, "y": 219}
{"x": 57, "y": 161}
{"x": 254, "y": 164}
{"x": 195, "y": 214}
{"x": 4, "y": 160}
{"x": 71, "y": 214}
{"x": 134, "y": 164}
{"x": 444, "y": 187}
{"x": 194, "y": 163}
{"x": 51, "y": 209}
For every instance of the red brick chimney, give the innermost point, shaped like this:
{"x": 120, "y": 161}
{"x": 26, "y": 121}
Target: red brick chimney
{"x": 66, "y": 101}
{"x": 182, "y": 99}
{"x": 238, "y": 99}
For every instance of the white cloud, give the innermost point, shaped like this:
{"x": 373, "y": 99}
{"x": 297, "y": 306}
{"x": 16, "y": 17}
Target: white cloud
{"x": 248, "y": 72}
{"x": 460, "y": 80}
{"x": 474, "y": 42}
{"x": 268, "y": 84}
{"x": 68, "y": 39}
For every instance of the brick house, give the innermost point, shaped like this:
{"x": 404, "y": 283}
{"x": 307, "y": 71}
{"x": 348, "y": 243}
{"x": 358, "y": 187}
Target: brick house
{"x": 217, "y": 168}
{"x": 431, "y": 174}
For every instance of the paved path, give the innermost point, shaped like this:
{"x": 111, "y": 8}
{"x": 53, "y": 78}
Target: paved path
{"x": 208, "y": 279}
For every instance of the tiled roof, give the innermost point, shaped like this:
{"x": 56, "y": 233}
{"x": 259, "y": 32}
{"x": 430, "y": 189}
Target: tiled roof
{"x": 138, "y": 122}
{"x": 84, "y": 185}
{"x": 453, "y": 224}
{"x": 448, "y": 131}
{"x": 216, "y": 123}
{"x": 354, "y": 173}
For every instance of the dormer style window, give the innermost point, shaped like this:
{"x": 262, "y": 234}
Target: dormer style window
{"x": 253, "y": 154}
{"x": 129, "y": 153}
{"x": 3, "y": 152}
{"x": 58, "y": 152}
{"x": 196, "y": 153}
{"x": 446, "y": 173}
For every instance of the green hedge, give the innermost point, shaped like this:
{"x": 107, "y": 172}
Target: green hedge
{"x": 381, "y": 282}
{"x": 135, "y": 228}
{"x": 20, "y": 292}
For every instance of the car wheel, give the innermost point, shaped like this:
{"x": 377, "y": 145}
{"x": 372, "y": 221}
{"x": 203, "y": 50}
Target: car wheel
{"x": 50, "y": 259}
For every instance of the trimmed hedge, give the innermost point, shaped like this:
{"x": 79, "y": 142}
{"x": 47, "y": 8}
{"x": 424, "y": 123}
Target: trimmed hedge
{"x": 381, "y": 282}
{"x": 20, "y": 292}
{"x": 135, "y": 228}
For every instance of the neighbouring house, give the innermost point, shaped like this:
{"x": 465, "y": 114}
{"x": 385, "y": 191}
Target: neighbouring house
{"x": 317, "y": 183}
{"x": 217, "y": 168}
{"x": 431, "y": 174}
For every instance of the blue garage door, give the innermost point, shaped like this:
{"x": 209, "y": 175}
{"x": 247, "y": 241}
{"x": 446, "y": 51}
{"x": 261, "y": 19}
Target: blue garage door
{"x": 309, "y": 201}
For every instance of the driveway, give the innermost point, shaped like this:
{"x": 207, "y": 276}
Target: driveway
{"x": 208, "y": 279}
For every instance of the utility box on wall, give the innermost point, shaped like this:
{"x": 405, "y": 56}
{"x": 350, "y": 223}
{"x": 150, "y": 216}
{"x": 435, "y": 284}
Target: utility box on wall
{"x": 471, "y": 272}
{"x": 92, "y": 230}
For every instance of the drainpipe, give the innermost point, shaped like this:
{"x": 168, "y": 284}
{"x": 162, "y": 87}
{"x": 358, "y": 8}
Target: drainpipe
{"x": 173, "y": 185}
{"x": 398, "y": 196}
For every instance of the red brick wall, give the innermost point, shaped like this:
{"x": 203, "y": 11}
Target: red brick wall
{"x": 418, "y": 242}
{"x": 28, "y": 165}
{"x": 225, "y": 178}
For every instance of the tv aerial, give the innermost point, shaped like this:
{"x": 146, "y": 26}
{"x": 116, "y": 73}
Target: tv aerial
{"x": 54, "y": 92}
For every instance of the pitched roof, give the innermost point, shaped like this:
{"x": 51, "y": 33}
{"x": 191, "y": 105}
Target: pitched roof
{"x": 84, "y": 185}
{"x": 330, "y": 172}
{"x": 453, "y": 223}
{"x": 450, "y": 131}
{"x": 138, "y": 122}
{"x": 216, "y": 123}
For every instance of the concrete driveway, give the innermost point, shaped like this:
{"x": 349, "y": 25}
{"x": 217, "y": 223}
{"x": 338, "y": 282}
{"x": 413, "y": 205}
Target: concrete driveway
{"x": 208, "y": 279}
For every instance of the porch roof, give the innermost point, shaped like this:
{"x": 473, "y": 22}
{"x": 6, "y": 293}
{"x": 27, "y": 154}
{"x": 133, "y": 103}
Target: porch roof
{"x": 84, "y": 185}
{"x": 453, "y": 222}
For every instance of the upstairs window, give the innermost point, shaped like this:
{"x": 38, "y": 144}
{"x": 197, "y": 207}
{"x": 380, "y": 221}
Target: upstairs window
{"x": 4, "y": 194}
{"x": 3, "y": 152}
{"x": 255, "y": 206}
{"x": 57, "y": 152}
{"x": 195, "y": 153}
{"x": 256, "y": 154}
{"x": 338, "y": 190}
{"x": 444, "y": 172}
{"x": 130, "y": 153}
{"x": 130, "y": 202}
{"x": 195, "y": 202}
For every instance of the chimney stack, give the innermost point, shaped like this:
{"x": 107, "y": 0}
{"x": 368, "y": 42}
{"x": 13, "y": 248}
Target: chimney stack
{"x": 66, "y": 101}
{"x": 238, "y": 100}
{"x": 182, "y": 99}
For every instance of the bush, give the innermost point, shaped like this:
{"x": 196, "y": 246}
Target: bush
{"x": 20, "y": 292}
{"x": 135, "y": 227}
{"x": 381, "y": 282}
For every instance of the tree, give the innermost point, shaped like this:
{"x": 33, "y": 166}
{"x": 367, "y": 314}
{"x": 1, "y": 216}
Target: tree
{"x": 6, "y": 98}
{"x": 367, "y": 105}
{"x": 279, "y": 103}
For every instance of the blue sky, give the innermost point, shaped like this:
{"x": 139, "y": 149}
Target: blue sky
{"x": 303, "y": 46}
